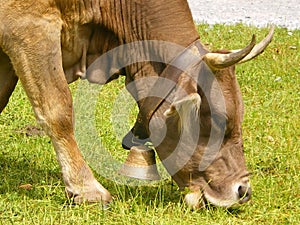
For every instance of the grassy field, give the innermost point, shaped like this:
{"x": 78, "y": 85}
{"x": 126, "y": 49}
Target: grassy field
{"x": 270, "y": 86}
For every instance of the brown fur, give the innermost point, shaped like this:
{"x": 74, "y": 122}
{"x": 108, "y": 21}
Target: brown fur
{"x": 50, "y": 43}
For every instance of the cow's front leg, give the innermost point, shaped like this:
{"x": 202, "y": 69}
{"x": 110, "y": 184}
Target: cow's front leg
{"x": 35, "y": 53}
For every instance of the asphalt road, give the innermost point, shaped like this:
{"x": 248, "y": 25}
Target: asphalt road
{"x": 260, "y": 13}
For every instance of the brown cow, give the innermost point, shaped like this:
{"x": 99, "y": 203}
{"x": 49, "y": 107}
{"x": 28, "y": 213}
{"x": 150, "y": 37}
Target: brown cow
{"x": 50, "y": 43}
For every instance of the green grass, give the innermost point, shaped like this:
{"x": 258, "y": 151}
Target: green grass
{"x": 270, "y": 86}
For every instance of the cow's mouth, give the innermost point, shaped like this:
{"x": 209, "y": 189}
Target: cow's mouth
{"x": 203, "y": 199}
{"x": 199, "y": 200}
{"x": 213, "y": 201}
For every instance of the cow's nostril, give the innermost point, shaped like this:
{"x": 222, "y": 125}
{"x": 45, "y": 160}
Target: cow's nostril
{"x": 244, "y": 193}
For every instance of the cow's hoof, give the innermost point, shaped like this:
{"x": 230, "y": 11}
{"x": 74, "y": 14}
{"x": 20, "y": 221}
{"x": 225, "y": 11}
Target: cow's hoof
{"x": 92, "y": 198}
{"x": 94, "y": 195}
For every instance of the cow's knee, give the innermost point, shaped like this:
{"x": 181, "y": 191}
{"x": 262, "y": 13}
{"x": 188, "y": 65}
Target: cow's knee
{"x": 56, "y": 121}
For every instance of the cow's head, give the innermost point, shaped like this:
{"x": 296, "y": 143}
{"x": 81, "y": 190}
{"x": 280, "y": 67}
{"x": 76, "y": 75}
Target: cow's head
{"x": 198, "y": 134}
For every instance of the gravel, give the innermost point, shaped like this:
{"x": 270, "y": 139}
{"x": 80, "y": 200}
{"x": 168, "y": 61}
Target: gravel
{"x": 260, "y": 13}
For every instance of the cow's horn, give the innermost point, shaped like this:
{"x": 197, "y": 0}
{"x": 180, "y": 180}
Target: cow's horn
{"x": 218, "y": 61}
{"x": 260, "y": 47}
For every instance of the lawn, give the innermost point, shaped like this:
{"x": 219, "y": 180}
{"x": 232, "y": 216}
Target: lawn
{"x": 271, "y": 90}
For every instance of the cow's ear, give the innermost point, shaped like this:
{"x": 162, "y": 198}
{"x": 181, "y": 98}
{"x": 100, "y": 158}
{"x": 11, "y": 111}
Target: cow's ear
{"x": 185, "y": 106}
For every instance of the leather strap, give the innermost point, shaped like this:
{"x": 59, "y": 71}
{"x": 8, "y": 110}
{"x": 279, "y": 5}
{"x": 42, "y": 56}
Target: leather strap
{"x": 140, "y": 133}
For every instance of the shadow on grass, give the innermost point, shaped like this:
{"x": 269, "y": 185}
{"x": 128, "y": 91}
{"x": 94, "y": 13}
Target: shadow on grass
{"x": 47, "y": 186}
{"x": 24, "y": 176}
{"x": 42, "y": 178}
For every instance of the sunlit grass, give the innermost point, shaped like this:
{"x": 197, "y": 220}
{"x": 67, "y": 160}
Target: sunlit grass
{"x": 270, "y": 86}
